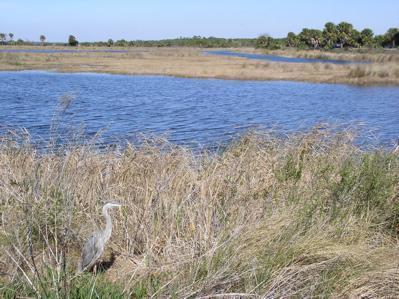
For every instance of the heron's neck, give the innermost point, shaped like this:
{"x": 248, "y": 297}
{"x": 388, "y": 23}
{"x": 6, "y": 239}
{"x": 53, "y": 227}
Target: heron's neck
{"x": 108, "y": 225}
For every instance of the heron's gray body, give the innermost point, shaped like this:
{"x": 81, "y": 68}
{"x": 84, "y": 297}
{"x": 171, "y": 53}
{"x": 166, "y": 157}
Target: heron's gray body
{"x": 91, "y": 252}
{"x": 94, "y": 246}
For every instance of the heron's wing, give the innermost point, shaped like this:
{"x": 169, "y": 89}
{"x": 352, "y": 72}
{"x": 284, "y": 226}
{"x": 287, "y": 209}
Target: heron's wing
{"x": 91, "y": 251}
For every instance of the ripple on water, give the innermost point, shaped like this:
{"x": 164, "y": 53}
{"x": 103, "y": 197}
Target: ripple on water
{"x": 189, "y": 111}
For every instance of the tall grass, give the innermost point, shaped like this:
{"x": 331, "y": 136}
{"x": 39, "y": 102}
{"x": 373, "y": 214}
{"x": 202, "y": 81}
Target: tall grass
{"x": 371, "y": 55}
{"x": 310, "y": 215}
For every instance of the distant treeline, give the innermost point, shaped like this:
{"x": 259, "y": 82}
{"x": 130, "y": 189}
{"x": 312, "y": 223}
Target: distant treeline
{"x": 342, "y": 35}
{"x": 195, "y": 41}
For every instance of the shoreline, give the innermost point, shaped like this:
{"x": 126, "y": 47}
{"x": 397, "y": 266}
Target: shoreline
{"x": 192, "y": 63}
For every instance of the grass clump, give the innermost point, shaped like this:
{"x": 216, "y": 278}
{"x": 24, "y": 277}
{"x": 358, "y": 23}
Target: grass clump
{"x": 358, "y": 72}
{"x": 87, "y": 286}
{"x": 310, "y": 215}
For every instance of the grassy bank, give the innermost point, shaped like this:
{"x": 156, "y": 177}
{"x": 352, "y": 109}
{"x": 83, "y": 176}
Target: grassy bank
{"x": 371, "y": 55}
{"x": 190, "y": 62}
{"x": 310, "y": 215}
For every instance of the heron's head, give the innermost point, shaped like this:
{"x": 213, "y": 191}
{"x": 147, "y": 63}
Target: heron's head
{"x": 111, "y": 205}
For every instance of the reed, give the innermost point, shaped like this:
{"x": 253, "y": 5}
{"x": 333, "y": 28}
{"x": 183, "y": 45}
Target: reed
{"x": 309, "y": 215}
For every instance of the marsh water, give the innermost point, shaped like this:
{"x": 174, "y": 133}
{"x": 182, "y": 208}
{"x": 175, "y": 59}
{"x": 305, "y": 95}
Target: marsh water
{"x": 193, "y": 112}
{"x": 276, "y": 58}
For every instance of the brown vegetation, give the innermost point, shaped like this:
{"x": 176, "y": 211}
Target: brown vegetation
{"x": 307, "y": 216}
{"x": 372, "y": 55}
{"x": 191, "y": 62}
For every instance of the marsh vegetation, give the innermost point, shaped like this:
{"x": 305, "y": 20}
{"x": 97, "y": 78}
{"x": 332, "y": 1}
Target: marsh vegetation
{"x": 310, "y": 215}
{"x": 191, "y": 62}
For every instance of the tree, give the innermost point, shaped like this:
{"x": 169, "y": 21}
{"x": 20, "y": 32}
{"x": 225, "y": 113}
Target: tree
{"x": 42, "y": 39}
{"x": 2, "y": 38}
{"x": 379, "y": 40}
{"x": 330, "y": 35}
{"x": 110, "y": 42}
{"x": 355, "y": 39}
{"x": 311, "y": 37}
{"x": 121, "y": 43}
{"x": 346, "y": 34}
{"x": 395, "y": 40}
{"x": 72, "y": 41}
{"x": 11, "y": 36}
{"x": 392, "y": 37}
{"x": 292, "y": 40}
{"x": 264, "y": 41}
{"x": 366, "y": 37}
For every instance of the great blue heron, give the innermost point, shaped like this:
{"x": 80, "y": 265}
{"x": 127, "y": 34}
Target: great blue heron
{"x": 94, "y": 246}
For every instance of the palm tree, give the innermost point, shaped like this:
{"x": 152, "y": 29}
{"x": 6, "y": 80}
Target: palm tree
{"x": 264, "y": 41}
{"x": 2, "y": 38}
{"x": 311, "y": 37}
{"x": 330, "y": 35}
{"x": 42, "y": 39}
{"x": 391, "y": 36}
{"x": 366, "y": 37}
{"x": 11, "y": 36}
{"x": 72, "y": 41}
{"x": 345, "y": 34}
{"x": 292, "y": 40}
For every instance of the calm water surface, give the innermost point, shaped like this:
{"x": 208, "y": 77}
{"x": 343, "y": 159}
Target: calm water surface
{"x": 192, "y": 112}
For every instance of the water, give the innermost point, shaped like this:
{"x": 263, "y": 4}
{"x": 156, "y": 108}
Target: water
{"x": 59, "y": 51}
{"x": 193, "y": 112}
{"x": 276, "y": 58}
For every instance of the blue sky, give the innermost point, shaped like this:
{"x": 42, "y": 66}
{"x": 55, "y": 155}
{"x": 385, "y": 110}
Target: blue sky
{"x": 92, "y": 20}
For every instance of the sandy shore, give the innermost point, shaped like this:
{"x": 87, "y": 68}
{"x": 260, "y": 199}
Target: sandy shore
{"x": 191, "y": 62}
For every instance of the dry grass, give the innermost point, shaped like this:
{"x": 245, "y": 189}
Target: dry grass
{"x": 372, "y": 55}
{"x": 307, "y": 216}
{"x": 190, "y": 62}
